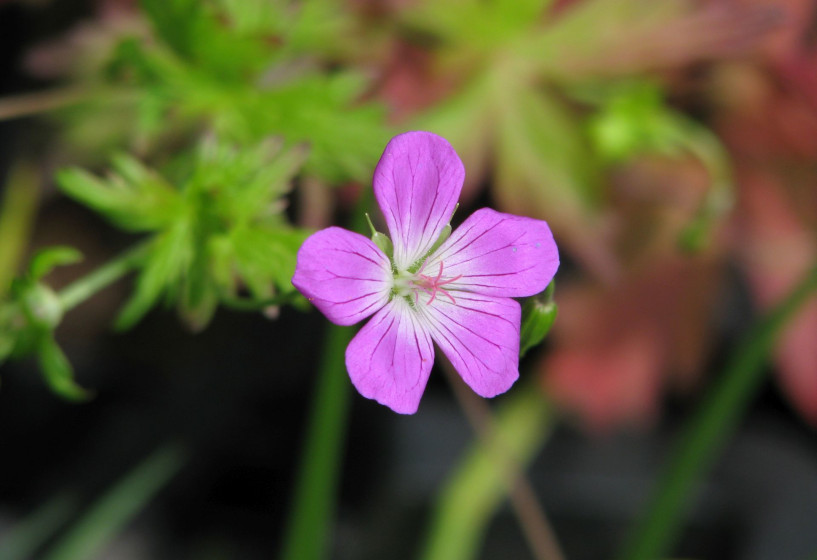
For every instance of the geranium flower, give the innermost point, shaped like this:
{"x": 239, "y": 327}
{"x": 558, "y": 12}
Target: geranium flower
{"x": 454, "y": 291}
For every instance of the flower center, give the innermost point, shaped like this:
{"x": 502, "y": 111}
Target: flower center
{"x": 407, "y": 284}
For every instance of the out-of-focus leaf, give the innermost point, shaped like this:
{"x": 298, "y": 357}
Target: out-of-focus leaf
{"x": 16, "y": 214}
{"x": 58, "y": 371}
{"x": 246, "y": 70}
{"x": 480, "y": 26}
{"x": 344, "y": 137}
{"x": 266, "y": 257}
{"x": 198, "y": 298}
{"x": 22, "y": 540}
{"x": 545, "y": 169}
{"x": 170, "y": 257}
{"x": 544, "y": 156}
{"x": 468, "y": 121}
{"x": 111, "y": 513}
{"x": 47, "y": 259}
{"x": 175, "y": 21}
{"x": 133, "y": 197}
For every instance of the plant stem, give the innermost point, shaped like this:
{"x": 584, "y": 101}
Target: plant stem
{"x": 309, "y": 525}
{"x": 307, "y": 535}
{"x": 38, "y": 102}
{"x": 77, "y": 292}
{"x": 20, "y": 200}
{"x": 532, "y": 518}
{"x": 119, "y": 505}
{"x": 715, "y": 420}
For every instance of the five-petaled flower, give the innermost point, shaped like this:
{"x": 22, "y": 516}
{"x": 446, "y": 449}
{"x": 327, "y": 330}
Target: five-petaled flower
{"x": 455, "y": 291}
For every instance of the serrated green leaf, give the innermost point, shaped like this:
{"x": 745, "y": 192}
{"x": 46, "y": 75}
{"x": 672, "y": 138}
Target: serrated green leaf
{"x": 135, "y": 199}
{"x": 51, "y": 257}
{"x": 175, "y": 21}
{"x": 543, "y": 158}
{"x": 58, "y": 372}
{"x": 266, "y": 257}
{"x": 165, "y": 266}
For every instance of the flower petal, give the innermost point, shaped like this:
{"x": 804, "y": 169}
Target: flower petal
{"x": 390, "y": 359}
{"x": 498, "y": 254}
{"x": 480, "y": 336}
{"x": 417, "y": 183}
{"x": 343, "y": 274}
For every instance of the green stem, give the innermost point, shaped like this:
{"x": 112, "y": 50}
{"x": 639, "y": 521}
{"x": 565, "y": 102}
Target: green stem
{"x": 309, "y": 525}
{"x": 74, "y": 294}
{"x": 713, "y": 423}
{"x": 480, "y": 483}
{"x": 19, "y": 205}
{"x": 307, "y": 535}
{"x": 118, "y": 506}
{"x": 28, "y": 104}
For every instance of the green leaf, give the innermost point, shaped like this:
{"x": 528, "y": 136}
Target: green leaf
{"x": 170, "y": 256}
{"x": 51, "y": 257}
{"x": 199, "y": 294}
{"x": 58, "y": 371}
{"x": 266, "y": 257}
{"x": 175, "y": 22}
{"x": 133, "y": 197}
{"x": 23, "y": 539}
{"x": 544, "y": 155}
{"x": 111, "y": 513}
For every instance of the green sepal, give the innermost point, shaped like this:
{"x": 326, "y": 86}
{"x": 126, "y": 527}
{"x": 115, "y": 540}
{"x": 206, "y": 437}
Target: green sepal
{"x": 58, "y": 372}
{"x": 381, "y": 240}
{"x": 51, "y": 257}
{"x": 538, "y": 315}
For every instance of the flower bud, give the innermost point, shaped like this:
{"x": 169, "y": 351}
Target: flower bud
{"x": 538, "y": 315}
{"x": 42, "y": 306}
{"x": 381, "y": 240}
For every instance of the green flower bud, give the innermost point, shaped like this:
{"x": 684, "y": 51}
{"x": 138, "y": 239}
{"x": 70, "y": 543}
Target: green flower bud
{"x": 538, "y": 315}
{"x": 42, "y": 306}
{"x": 381, "y": 239}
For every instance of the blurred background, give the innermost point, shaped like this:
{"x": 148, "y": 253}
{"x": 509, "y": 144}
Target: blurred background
{"x": 160, "y": 409}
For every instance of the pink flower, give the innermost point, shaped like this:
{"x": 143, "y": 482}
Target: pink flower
{"x": 455, "y": 291}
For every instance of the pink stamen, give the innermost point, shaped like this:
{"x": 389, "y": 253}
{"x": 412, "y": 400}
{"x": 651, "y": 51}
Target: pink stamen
{"x": 433, "y": 285}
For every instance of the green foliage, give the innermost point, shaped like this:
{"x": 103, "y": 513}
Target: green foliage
{"x": 219, "y": 237}
{"x": 245, "y": 70}
{"x": 538, "y": 108}
{"x": 541, "y": 153}
{"x": 633, "y": 119}
{"x": 29, "y": 317}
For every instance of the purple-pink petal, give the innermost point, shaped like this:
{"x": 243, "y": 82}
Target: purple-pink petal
{"x": 480, "y": 336}
{"x": 498, "y": 254}
{"x": 343, "y": 274}
{"x": 390, "y": 359}
{"x": 417, "y": 183}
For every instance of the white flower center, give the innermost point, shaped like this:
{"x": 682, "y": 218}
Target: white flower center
{"x": 409, "y": 285}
